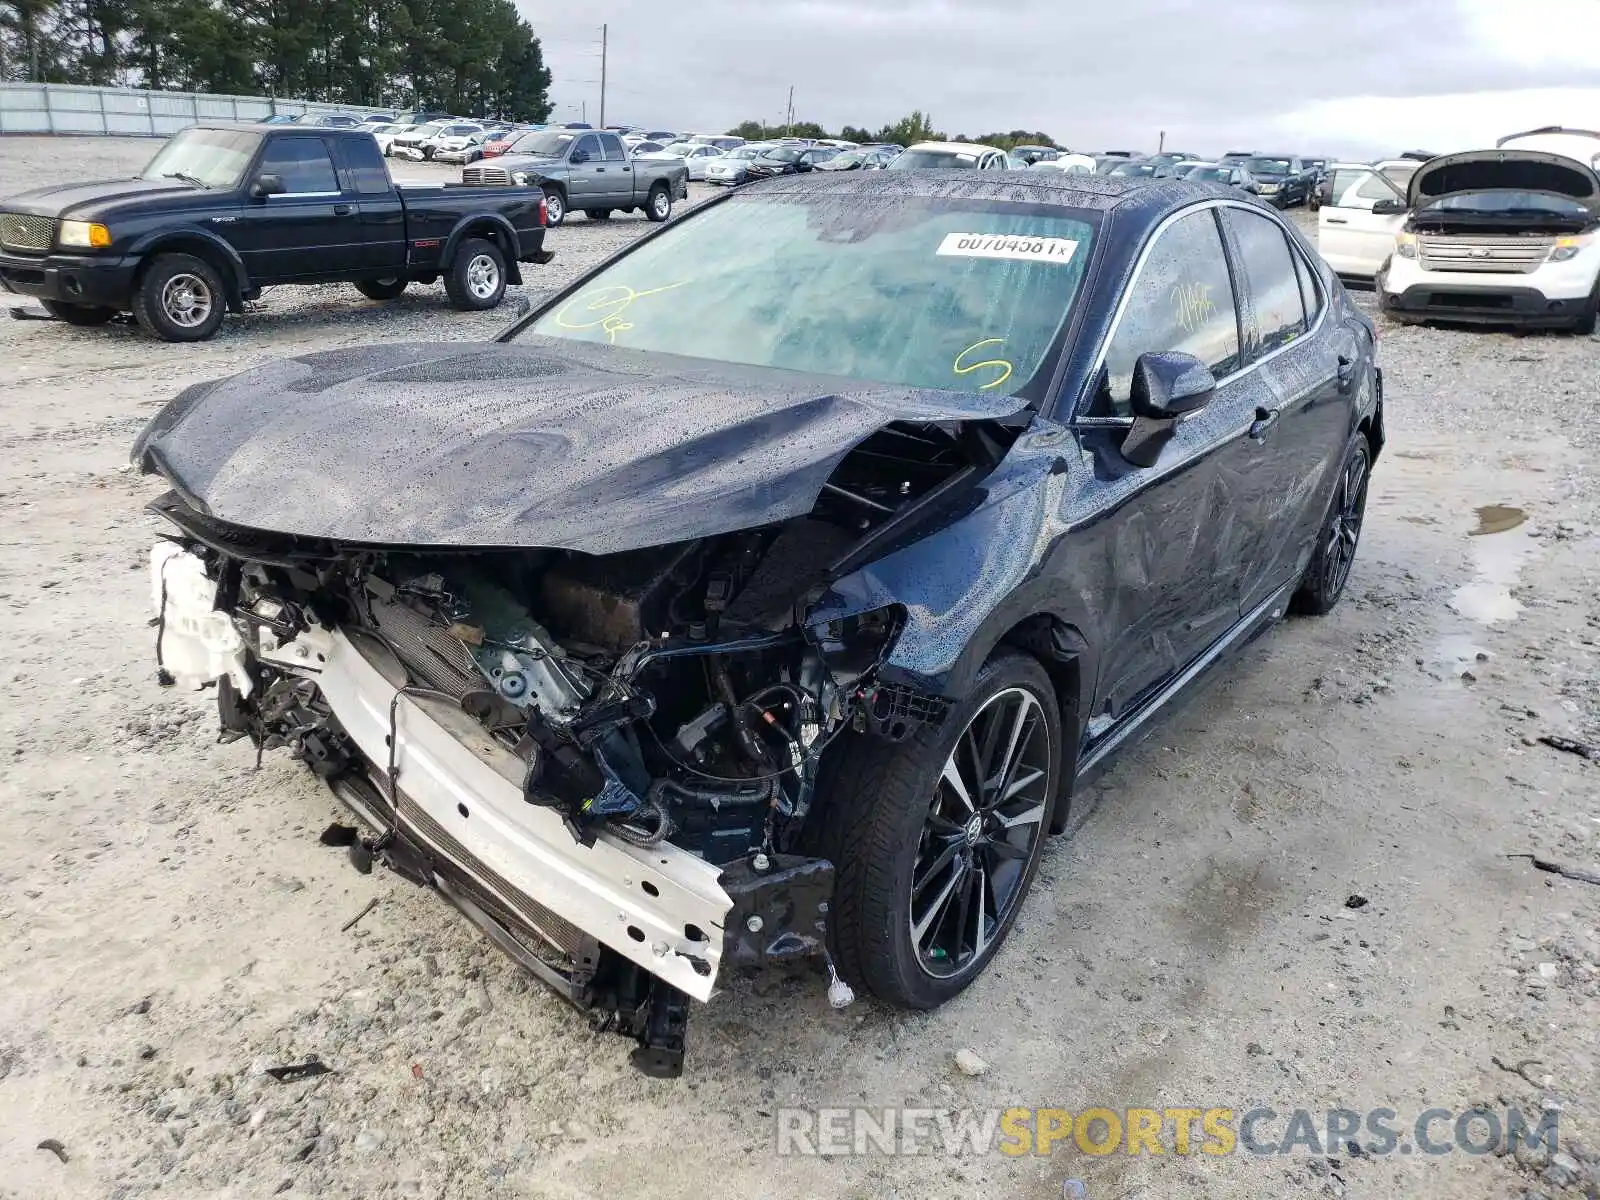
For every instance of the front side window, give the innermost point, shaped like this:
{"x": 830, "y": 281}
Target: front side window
{"x": 588, "y": 145}
{"x": 214, "y": 158}
{"x": 303, "y": 164}
{"x": 1360, "y": 188}
{"x": 1268, "y": 266}
{"x": 1181, "y": 301}
{"x": 911, "y": 291}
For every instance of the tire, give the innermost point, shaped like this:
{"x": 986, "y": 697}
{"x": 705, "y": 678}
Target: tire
{"x": 658, "y": 206}
{"x": 180, "y": 299}
{"x": 597, "y": 214}
{"x": 903, "y": 920}
{"x": 381, "y": 289}
{"x": 78, "y": 314}
{"x": 1589, "y": 320}
{"x": 476, "y": 279}
{"x": 555, "y": 204}
{"x": 1339, "y": 535}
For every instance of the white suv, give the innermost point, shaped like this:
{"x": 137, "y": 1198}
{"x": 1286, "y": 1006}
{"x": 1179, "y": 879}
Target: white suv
{"x": 1503, "y": 236}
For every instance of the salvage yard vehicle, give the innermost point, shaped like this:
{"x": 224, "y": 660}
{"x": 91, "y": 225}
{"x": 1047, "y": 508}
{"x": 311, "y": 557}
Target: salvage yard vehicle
{"x": 588, "y": 171}
{"x": 729, "y": 611}
{"x": 1505, "y": 236}
{"x": 966, "y": 156}
{"x": 225, "y": 210}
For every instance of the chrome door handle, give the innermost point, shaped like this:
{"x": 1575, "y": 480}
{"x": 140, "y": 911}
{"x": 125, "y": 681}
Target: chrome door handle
{"x": 1338, "y": 221}
{"x": 343, "y": 210}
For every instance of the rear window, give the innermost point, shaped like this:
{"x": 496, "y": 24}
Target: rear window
{"x": 960, "y": 296}
{"x": 919, "y": 160}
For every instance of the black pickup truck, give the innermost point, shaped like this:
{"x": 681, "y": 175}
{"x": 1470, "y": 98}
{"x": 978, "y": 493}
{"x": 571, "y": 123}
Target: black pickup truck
{"x": 224, "y": 210}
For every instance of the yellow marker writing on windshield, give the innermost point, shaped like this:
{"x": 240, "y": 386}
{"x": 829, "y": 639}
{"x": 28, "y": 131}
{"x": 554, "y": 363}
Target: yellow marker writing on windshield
{"x": 969, "y": 368}
{"x": 609, "y": 303}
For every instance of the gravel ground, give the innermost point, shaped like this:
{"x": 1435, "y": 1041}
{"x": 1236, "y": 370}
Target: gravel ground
{"x": 172, "y": 926}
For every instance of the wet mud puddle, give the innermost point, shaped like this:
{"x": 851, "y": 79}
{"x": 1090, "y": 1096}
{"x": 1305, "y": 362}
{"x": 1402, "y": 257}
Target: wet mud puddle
{"x": 1500, "y": 545}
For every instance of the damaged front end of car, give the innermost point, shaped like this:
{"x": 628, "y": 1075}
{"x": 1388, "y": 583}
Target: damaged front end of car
{"x": 608, "y": 761}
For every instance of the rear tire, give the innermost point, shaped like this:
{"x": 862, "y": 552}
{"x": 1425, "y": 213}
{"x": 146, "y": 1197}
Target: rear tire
{"x": 180, "y": 299}
{"x": 928, "y": 884}
{"x": 381, "y": 289}
{"x": 659, "y": 205}
{"x": 477, "y": 276}
{"x": 78, "y": 314}
{"x": 1339, "y": 535}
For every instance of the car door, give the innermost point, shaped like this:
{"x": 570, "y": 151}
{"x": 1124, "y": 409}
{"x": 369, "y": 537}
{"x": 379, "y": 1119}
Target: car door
{"x": 613, "y": 173}
{"x": 1300, "y": 378}
{"x": 585, "y": 185}
{"x": 1353, "y": 238}
{"x": 310, "y": 227}
{"x": 378, "y": 221}
{"x": 1164, "y": 587}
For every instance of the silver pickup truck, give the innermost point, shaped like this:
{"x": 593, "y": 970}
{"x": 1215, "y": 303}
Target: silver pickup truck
{"x": 587, "y": 171}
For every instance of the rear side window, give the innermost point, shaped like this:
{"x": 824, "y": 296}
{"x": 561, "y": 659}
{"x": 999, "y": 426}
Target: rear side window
{"x": 364, "y": 163}
{"x": 1268, "y": 267}
{"x": 613, "y": 148}
{"x": 1308, "y": 290}
{"x": 303, "y": 163}
{"x": 1182, "y": 299}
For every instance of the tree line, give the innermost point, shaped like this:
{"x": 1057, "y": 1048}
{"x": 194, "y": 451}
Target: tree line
{"x": 471, "y": 57}
{"x": 916, "y": 127}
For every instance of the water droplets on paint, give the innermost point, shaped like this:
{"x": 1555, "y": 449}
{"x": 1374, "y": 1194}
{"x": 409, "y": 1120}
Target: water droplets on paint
{"x": 1499, "y": 547}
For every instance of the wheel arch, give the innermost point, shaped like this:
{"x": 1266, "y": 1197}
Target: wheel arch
{"x": 492, "y": 227}
{"x": 207, "y": 247}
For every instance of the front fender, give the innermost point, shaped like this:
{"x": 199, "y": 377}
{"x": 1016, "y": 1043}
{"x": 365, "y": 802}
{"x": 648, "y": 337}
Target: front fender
{"x": 189, "y": 239}
{"x": 966, "y": 586}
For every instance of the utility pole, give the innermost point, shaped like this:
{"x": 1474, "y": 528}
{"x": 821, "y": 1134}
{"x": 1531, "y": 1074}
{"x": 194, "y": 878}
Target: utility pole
{"x": 1161, "y": 145}
{"x": 788, "y": 120}
{"x": 602, "y": 77}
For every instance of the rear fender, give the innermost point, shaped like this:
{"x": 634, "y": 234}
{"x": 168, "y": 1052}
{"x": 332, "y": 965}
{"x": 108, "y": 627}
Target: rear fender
{"x": 493, "y": 226}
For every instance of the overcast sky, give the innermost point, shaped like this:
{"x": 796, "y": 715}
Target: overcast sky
{"x": 1342, "y": 77}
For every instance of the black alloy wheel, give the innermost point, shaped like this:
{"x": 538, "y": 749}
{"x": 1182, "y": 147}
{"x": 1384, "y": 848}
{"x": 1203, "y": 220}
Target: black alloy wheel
{"x": 986, "y": 816}
{"x": 1329, "y": 569}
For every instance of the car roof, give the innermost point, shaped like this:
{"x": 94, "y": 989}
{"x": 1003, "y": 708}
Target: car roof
{"x": 955, "y": 147}
{"x": 1098, "y": 193}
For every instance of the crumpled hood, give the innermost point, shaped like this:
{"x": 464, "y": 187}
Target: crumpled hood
{"x": 538, "y": 442}
{"x": 1509, "y": 170}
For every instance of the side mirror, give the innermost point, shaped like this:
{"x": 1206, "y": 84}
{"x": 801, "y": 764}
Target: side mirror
{"x": 1389, "y": 208}
{"x": 579, "y": 156}
{"x": 1169, "y": 384}
{"x": 267, "y": 185}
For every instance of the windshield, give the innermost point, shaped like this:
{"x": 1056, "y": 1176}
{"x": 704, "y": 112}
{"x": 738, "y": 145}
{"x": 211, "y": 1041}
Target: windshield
{"x": 913, "y": 160}
{"x": 1209, "y": 174}
{"x": 1137, "y": 170}
{"x": 783, "y": 154}
{"x": 1267, "y": 166}
{"x": 681, "y": 149}
{"x": 551, "y": 142}
{"x": 1508, "y": 203}
{"x": 214, "y": 158}
{"x": 910, "y": 291}
{"x": 848, "y": 159}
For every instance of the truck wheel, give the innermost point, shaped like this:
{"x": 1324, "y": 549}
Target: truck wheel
{"x": 936, "y": 839}
{"x": 659, "y": 206}
{"x": 597, "y": 214}
{"x": 477, "y": 277}
{"x": 381, "y": 289}
{"x": 555, "y": 207}
{"x": 78, "y": 314}
{"x": 1329, "y": 568}
{"x": 180, "y": 299}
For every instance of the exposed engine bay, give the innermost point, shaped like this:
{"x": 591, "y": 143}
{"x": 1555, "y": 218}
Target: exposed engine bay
{"x": 650, "y": 724}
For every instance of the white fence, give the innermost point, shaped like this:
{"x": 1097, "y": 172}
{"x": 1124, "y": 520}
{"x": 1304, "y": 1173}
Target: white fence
{"x": 69, "y": 108}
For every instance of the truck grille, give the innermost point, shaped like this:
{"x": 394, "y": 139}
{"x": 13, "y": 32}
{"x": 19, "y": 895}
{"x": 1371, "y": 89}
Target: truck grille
{"x": 21, "y": 231}
{"x": 1502, "y": 255}
{"x": 476, "y": 176}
